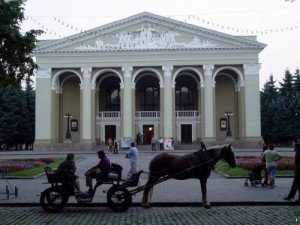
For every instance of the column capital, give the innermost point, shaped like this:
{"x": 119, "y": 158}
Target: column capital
{"x": 86, "y": 71}
{"x": 43, "y": 73}
{"x": 251, "y": 69}
{"x": 127, "y": 70}
{"x": 167, "y": 70}
{"x": 208, "y": 69}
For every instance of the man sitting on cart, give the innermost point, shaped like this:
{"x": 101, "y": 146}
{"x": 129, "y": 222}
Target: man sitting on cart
{"x": 99, "y": 171}
{"x": 66, "y": 170}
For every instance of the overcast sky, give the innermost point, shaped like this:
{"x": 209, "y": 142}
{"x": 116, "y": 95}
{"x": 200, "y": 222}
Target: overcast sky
{"x": 275, "y": 22}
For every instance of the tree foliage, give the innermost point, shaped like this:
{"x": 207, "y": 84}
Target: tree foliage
{"x": 16, "y": 62}
{"x": 280, "y": 115}
{"x": 15, "y": 120}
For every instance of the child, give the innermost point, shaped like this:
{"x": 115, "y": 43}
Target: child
{"x": 271, "y": 157}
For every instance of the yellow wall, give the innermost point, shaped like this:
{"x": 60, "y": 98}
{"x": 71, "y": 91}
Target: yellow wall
{"x": 71, "y": 104}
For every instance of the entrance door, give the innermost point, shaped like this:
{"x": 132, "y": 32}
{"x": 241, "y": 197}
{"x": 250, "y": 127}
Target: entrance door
{"x": 186, "y": 133}
{"x": 110, "y": 132}
{"x": 148, "y": 132}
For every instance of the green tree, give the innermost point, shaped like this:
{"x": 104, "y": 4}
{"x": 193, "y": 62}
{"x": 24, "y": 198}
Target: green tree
{"x": 30, "y": 108}
{"x": 287, "y": 114}
{"x": 16, "y": 62}
{"x": 269, "y": 107}
{"x": 13, "y": 117}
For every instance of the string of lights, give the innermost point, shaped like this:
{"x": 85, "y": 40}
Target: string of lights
{"x": 193, "y": 19}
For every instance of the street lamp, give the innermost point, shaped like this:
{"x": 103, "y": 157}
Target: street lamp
{"x": 228, "y": 114}
{"x": 68, "y": 134}
{"x": 296, "y": 86}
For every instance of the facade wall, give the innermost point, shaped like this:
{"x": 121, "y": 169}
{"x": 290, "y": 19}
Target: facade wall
{"x": 227, "y": 78}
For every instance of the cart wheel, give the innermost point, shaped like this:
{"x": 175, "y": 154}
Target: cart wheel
{"x": 53, "y": 200}
{"x": 118, "y": 198}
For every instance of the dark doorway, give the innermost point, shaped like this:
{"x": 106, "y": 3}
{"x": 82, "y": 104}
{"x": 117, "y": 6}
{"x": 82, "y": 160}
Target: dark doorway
{"x": 186, "y": 133}
{"x": 110, "y": 132}
{"x": 148, "y": 133}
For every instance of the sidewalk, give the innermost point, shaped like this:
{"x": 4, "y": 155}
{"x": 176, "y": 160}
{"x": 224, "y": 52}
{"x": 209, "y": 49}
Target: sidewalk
{"x": 219, "y": 189}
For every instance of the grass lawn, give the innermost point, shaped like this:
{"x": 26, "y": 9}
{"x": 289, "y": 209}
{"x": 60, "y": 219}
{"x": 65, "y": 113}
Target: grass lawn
{"x": 241, "y": 172}
{"x": 29, "y": 173}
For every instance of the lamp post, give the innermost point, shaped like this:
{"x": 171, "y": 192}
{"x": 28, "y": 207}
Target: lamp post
{"x": 68, "y": 134}
{"x": 296, "y": 85}
{"x": 228, "y": 114}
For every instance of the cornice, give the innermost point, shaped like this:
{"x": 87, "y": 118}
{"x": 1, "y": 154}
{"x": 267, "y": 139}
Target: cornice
{"x": 216, "y": 49}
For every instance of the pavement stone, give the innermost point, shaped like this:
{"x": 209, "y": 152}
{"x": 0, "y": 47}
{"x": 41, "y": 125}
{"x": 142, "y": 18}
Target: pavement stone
{"x": 238, "y": 215}
{"x": 220, "y": 190}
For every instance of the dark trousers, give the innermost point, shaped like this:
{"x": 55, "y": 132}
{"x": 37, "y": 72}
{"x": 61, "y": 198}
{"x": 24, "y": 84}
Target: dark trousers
{"x": 153, "y": 146}
{"x": 294, "y": 188}
{"x": 115, "y": 150}
{"x": 94, "y": 172}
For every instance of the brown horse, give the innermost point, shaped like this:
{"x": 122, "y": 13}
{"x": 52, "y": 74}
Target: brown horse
{"x": 195, "y": 165}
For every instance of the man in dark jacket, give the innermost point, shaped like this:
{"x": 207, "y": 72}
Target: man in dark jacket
{"x": 66, "y": 170}
{"x": 296, "y": 182}
{"x": 99, "y": 171}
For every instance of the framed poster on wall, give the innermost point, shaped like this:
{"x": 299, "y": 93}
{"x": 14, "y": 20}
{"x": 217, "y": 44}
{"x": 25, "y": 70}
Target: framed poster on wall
{"x": 223, "y": 124}
{"x": 74, "y": 125}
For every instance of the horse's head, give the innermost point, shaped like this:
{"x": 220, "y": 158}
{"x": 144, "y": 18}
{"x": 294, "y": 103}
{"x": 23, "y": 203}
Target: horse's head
{"x": 228, "y": 155}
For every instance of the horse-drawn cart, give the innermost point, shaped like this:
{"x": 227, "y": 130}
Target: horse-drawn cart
{"x": 119, "y": 197}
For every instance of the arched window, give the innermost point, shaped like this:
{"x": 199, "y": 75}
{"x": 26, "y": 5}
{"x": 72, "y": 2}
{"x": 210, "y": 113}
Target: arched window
{"x": 149, "y": 99}
{"x": 184, "y": 98}
{"x": 112, "y": 99}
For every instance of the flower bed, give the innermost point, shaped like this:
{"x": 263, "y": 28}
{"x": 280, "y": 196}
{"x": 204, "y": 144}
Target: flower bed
{"x": 15, "y": 165}
{"x": 248, "y": 162}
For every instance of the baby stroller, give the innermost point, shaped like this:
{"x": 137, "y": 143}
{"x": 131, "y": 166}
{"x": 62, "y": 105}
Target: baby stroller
{"x": 255, "y": 176}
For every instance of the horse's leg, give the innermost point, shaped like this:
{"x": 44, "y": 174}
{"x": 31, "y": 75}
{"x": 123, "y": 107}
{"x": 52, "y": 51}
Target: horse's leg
{"x": 206, "y": 204}
{"x": 147, "y": 192}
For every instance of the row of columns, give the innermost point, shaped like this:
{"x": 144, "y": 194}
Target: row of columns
{"x": 88, "y": 98}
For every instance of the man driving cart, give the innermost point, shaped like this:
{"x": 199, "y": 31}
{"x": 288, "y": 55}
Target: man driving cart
{"x": 100, "y": 171}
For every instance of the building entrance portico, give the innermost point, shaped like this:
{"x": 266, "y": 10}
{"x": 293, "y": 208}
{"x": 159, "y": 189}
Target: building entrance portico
{"x": 152, "y": 75}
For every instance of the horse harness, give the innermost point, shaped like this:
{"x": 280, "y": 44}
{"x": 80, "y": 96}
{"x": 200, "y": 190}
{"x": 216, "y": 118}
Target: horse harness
{"x": 203, "y": 154}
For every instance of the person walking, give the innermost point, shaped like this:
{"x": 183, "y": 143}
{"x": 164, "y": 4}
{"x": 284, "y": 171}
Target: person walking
{"x": 271, "y": 157}
{"x": 296, "y": 182}
{"x": 100, "y": 171}
{"x": 133, "y": 155}
{"x": 110, "y": 145}
{"x": 116, "y": 146}
{"x": 153, "y": 142}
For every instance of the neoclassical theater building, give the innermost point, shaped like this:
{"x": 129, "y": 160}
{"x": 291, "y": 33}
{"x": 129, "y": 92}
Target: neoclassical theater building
{"x": 148, "y": 74}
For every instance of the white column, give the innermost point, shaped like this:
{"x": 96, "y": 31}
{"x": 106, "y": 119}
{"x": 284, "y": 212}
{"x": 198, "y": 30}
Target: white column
{"x": 208, "y": 102}
{"x": 86, "y": 105}
{"x": 194, "y": 132}
{"x": 43, "y": 107}
{"x": 252, "y": 101}
{"x": 127, "y": 103}
{"x": 168, "y": 105}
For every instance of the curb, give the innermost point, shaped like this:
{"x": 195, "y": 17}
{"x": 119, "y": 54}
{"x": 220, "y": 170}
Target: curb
{"x": 162, "y": 204}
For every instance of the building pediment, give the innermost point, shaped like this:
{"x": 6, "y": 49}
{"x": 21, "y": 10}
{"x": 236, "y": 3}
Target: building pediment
{"x": 146, "y": 32}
